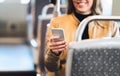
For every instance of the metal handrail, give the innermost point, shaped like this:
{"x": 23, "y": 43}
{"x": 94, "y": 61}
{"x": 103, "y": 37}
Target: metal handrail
{"x": 84, "y": 23}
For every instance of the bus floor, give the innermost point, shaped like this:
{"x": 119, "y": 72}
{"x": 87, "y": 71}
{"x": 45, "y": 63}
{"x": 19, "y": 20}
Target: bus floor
{"x": 16, "y": 58}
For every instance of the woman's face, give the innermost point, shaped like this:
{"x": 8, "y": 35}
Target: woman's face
{"x": 83, "y": 6}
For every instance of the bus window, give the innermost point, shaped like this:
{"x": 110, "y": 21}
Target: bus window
{"x": 107, "y": 4}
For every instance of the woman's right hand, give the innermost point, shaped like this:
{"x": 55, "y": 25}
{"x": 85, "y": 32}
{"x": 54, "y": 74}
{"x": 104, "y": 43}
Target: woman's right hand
{"x": 56, "y": 45}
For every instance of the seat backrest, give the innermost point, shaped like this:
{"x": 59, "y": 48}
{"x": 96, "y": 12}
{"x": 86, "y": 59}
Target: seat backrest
{"x": 44, "y": 20}
{"x": 87, "y": 58}
{"x": 94, "y": 57}
{"x": 84, "y": 23}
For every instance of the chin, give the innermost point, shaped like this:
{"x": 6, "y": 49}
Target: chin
{"x": 83, "y": 11}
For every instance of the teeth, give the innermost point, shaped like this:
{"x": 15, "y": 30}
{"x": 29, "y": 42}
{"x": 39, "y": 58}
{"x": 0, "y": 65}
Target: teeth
{"x": 81, "y": 3}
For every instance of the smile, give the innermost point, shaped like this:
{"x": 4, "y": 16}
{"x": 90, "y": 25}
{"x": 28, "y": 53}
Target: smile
{"x": 81, "y": 3}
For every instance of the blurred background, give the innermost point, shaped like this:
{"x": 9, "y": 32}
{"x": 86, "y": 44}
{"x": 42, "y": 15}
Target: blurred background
{"x": 19, "y": 23}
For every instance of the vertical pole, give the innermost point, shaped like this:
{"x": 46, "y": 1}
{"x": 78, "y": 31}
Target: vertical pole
{"x": 57, "y": 9}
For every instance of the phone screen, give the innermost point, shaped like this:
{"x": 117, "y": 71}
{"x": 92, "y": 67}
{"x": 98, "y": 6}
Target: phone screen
{"x": 59, "y": 32}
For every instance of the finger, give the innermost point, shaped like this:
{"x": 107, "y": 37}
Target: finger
{"x": 57, "y": 43}
{"x": 58, "y": 50}
{"x": 58, "y": 47}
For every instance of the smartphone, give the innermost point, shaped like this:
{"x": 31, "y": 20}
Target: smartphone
{"x": 59, "y": 32}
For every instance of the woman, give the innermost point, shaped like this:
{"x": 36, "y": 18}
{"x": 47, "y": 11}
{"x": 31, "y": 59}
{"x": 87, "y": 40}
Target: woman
{"x": 56, "y": 51}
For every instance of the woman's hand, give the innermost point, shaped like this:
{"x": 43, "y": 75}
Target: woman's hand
{"x": 56, "y": 45}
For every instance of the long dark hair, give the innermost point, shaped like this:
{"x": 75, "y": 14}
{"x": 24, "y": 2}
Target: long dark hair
{"x": 96, "y": 7}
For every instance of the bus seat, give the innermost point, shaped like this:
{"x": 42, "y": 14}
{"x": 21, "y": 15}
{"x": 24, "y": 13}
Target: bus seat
{"x": 43, "y": 24}
{"x": 42, "y": 28}
{"x": 94, "y": 57}
{"x": 43, "y": 21}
